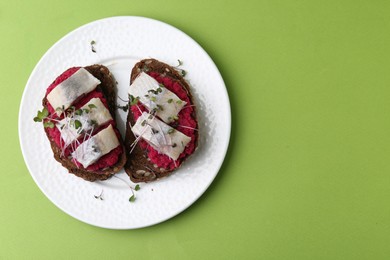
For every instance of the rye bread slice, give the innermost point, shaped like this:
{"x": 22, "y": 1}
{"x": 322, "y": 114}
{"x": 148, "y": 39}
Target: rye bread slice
{"x": 107, "y": 87}
{"x": 138, "y": 167}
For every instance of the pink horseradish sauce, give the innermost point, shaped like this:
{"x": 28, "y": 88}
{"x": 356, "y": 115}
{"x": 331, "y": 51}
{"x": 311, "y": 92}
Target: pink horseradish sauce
{"x": 185, "y": 120}
{"x": 105, "y": 161}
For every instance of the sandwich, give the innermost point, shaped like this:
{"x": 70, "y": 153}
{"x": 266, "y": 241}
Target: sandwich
{"x": 162, "y": 126}
{"x": 79, "y": 120}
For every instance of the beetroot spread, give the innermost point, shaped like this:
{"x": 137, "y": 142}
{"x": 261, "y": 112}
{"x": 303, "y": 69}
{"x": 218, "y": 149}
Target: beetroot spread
{"x": 105, "y": 161}
{"x": 185, "y": 124}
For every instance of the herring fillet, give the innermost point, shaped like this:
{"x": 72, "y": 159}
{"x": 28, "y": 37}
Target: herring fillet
{"x": 95, "y": 147}
{"x": 161, "y": 136}
{"x": 65, "y": 93}
{"x": 167, "y": 103}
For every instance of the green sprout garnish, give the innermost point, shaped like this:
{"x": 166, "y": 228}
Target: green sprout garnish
{"x": 133, "y": 100}
{"x": 91, "y": 106}
{"x": 48, "y": 124}
{"x": 41, "y": 115}
{"x": 100, "y": 196}
{"x": 92, "y": 46}
{"x": 124, "y": 108}
{"x": 78, "y": 112}
{"x": 77, "y": 124}
{"x": 132, "y": 198}
{"x": 173, "y": 118}
{"x": 183, "y": 72}
{"x": 170, "y": 101}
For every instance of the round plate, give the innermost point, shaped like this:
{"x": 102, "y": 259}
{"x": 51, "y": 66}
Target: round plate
{"x": 119, "y": 43}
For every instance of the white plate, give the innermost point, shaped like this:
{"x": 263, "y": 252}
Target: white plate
{"x": 120, "y": 43}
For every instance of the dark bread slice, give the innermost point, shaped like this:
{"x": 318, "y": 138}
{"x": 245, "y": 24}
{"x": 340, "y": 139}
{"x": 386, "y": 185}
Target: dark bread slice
{"x": 107, "y": 87}
{"x": 138, "y": 167}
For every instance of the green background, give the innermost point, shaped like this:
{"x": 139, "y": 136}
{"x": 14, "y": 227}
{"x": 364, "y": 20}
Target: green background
{"x": 307, "y": 171}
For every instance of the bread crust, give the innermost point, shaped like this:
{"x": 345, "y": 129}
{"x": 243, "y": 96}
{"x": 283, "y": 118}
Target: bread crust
{"x": 107, "y": 86}
{"x": 138, "y": 167}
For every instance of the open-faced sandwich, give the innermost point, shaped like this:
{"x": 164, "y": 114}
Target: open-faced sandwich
{"x": 79, "y": 121}
{"x": 162, "y": 128}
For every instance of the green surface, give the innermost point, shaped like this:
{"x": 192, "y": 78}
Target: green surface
{"x": 307, "y": 172}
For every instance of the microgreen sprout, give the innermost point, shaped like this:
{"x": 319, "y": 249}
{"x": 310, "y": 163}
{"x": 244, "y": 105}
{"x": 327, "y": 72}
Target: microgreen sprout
{"x": 171, "y": 131}
{"x": 133, "y": 100}
{"x": 124, "y": 108}
{"x": 174, "y": 118}
{"x": 100, "y": 196}
{"x": 48, "y": 124}
{"x": 136, "y": 188}
{"x": 183, "y": 72}
{"x": 78, "y": 112}
{"x": 77, "y": 124}
{"x": 170, "y": 101}
{"x": 41, "y": 115}
{"x": 91, "y": 106}
{"x": 93, "y": 46}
